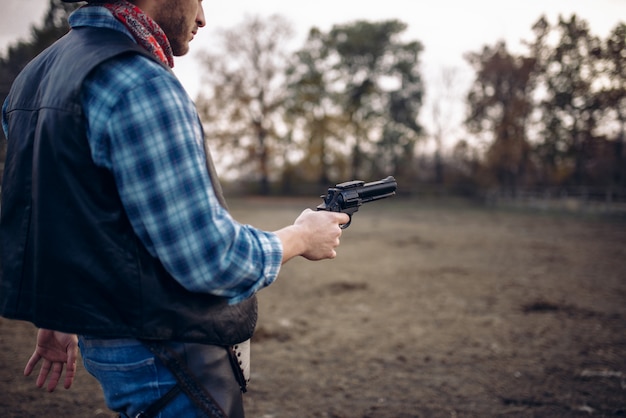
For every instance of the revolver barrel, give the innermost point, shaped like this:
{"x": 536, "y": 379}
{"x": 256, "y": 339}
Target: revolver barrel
{"x": 378, "y": 189}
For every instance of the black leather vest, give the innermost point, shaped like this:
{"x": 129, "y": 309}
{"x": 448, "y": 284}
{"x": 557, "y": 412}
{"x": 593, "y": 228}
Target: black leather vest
{"x": 70, "y": 259}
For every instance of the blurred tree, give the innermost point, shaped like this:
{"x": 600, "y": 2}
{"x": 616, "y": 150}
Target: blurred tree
{"x": 567, "y": 98}
{"x": 21, "y": 52}
{"x": 570, "y": 106}
{"x": 359, "y": 85}
{"x": 548, "y": 149}
{"x": 243, "y": 95}
{"x": 382, "y": 93}
{"x": 313, "y": 116}
{"x": 613, "y": 98}
{"x": 401, "y": 131}
{"x": 500, "y": 104}
{"x": 443, "y": 110}
{"x": 465, "y": 169}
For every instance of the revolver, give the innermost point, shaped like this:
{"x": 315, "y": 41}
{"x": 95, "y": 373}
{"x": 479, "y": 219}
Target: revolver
{"x": 349, "y": 196}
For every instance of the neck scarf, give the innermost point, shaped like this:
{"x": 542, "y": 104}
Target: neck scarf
{"x": 145, "y": 30}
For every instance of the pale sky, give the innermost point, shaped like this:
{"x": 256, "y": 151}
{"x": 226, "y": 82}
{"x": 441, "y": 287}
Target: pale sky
{"x": 447, "y": 28}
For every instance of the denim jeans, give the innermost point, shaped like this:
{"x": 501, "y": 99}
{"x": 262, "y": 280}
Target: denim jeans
{"x": 132, "y": 378}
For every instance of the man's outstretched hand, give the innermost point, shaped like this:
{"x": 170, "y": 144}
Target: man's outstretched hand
{"x": 57, "y": 350}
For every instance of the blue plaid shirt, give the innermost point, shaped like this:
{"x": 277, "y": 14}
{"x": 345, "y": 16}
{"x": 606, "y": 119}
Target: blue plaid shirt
{"x": 144, "y": 128}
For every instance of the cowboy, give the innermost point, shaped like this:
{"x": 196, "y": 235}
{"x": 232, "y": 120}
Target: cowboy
{"x": 114, "y": 235}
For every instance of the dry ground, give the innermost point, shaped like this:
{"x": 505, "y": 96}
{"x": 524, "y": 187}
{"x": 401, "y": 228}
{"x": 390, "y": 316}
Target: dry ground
{"x": 430, "y": 310}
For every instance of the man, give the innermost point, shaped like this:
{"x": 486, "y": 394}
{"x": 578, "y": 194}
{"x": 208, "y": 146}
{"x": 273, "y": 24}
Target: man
{"x": 113, "y": 226}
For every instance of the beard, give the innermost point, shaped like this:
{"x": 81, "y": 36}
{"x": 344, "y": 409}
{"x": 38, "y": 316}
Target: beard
{"x": 176, "y": 28}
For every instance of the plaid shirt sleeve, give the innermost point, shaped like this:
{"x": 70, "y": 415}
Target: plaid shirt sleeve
{"x": 144, "y": 128}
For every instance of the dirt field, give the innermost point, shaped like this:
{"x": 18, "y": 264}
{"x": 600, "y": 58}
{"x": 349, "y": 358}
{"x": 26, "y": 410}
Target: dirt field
{"x": 428, "y": 311}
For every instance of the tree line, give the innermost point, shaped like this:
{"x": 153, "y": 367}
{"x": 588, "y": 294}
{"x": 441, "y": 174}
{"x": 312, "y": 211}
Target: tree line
{"x": 555, "y": 116}
{"x": 346, "y": 105}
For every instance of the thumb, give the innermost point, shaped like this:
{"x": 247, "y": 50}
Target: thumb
{"x": 32, "y": 362}
{"x": 70, "y": 368}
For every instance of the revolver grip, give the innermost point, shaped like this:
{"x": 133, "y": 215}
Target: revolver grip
{"x": 348, "y": 211}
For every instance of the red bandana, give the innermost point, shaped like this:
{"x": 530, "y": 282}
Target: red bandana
{"x": 145, "y": 30}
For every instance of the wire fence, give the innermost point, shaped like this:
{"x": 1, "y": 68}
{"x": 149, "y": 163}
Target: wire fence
{"x": 610, "y": 200}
